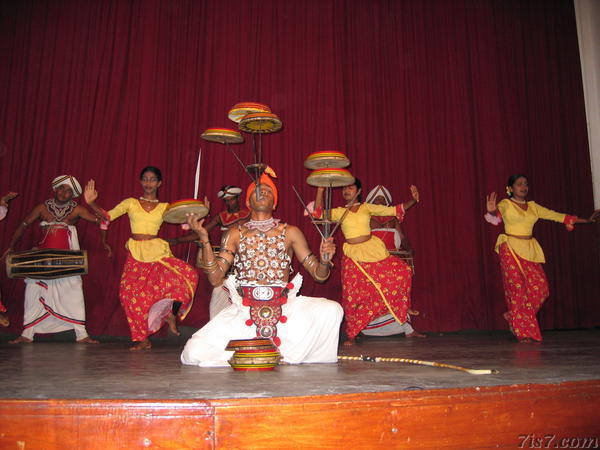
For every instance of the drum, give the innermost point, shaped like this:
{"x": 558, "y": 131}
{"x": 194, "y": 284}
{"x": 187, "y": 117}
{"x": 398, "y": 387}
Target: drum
{"x": 240, "y": 110}
{"x": 326, "y": 159}
{"x": 405, "y": 256}
{"x": 260, "y": 123}
{"x": 176, "y": 211}
{"x": 253, "y": 354}
{"x": 222, "y": 136}
{"x": 330, "y": 178}
{"x": 250, "y": 344}
{"x": 47, "y": 263}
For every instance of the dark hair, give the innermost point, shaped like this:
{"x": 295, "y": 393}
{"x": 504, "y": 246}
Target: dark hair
{"x": 512, "y": 179}
{"x": 154, "y": 170}
{"x": 358, "y": 185}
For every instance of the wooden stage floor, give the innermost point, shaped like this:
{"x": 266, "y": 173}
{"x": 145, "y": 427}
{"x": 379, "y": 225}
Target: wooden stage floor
{"x": 55, "y": 394}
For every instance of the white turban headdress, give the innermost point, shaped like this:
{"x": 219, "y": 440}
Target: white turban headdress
{"x": 229, "y": 191}
{"x": 69, "y": 181}
{"x": 377, "y": 191}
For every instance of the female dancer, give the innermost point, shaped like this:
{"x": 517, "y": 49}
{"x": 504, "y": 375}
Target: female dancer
{"x": 152, "y": 278}
{"x": 525, "y": 283}
{"x": 374, "y": 283}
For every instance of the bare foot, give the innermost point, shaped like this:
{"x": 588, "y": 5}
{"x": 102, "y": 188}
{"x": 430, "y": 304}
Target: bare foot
{"x": 413, "y": 312}
{"x": 87, "y": 340}
{"x": 171, "y": 321}
{"x": 143, "y": 345}
{"x": 4, "y": 322}
{"x": 415, "y": 334}
{"x": 21, "y": 340}
{"x": 348, "y": 343}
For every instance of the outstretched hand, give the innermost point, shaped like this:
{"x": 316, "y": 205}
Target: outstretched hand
{"x": 594, "y": 216}
{"x": 7, "y": 198}
{"x": 414, "y": 192}
{"x": 89, "y": 193}
{"x": 490, "y": 202}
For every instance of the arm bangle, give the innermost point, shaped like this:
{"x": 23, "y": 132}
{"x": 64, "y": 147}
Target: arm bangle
{"x": 200, "y": 243}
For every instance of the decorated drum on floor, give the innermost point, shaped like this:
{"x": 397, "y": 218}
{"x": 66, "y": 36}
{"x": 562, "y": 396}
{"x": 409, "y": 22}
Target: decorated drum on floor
{"x": 47, "y": 263}
{"x": 176, "y": 211}
{"x": 253, "y": 354}
{"x": 222, "y": 136}
{"x": 330, "y": 178}
{"x": 240, "y": 110}
{"x": 326, "y": 159}
{"x": 260, "y": 123}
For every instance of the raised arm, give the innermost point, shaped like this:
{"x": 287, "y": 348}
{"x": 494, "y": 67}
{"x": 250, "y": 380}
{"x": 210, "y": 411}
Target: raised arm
{"x": 91, "y": 195}
{"x": 318, "y": 268}
{"x": 414, "y": 192}
{"x": 319, "y": 198}
{"x": 491, "y": 203}
{"x": 7, "y": 198}
{"x": 215, "y": 266}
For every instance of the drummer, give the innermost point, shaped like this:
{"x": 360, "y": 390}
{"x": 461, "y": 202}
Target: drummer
{"x": 55, "y": 305}
{"x": 374, "y": 283}
{"x": 4, "y": 322}
{"x": 153, "y": 279}
{"x": 229, "y": 217}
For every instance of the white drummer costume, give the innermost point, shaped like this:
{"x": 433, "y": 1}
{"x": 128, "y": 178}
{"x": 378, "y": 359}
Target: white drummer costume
{"x": 58, "y": 304}
{"x": 305, "y": 329}
{"x": 219, "y": 298}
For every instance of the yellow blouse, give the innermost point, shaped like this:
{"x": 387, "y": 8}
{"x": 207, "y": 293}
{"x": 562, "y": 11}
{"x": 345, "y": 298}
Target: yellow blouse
{"x": 143, "y": 222}
{"x": 357, "y": 224}
{"x": 518, "y": 222}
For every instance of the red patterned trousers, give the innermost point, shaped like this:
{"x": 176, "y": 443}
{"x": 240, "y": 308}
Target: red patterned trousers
{"x": 144, "y": 284}
{"x": 525, "y": 289}
{"x": 361, "y": 300}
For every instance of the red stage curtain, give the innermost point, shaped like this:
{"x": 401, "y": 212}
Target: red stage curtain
{"x": 452, "y": 96}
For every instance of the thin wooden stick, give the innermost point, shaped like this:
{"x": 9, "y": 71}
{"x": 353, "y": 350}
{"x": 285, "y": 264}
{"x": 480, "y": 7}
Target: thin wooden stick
{"x": 418, "y": 362}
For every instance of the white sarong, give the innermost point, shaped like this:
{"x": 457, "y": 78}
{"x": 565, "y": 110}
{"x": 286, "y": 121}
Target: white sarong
{"x": 310, "y": 334}
{"x": 55, "y": 305}
{"x": 219, "y": 300}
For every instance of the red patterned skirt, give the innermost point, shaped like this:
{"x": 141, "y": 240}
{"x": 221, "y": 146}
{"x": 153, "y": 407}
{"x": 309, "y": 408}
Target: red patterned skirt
{"x": 362, "y": 302}
{"x": 144, "y": 285}
{"x": 525, "y": 289}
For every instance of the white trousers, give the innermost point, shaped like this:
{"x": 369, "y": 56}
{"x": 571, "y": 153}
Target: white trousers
{"x": 310, "y": 334}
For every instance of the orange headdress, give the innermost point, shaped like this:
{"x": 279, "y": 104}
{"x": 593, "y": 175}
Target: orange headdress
{"x": 266, "y": 180}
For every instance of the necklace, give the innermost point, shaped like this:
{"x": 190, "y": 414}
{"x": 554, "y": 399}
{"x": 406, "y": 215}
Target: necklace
{"x": 262, "y": 225}
{"x": 59, "y": 212}
{"x": 154, "y": 200}
{"x": 522, "y": 202}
